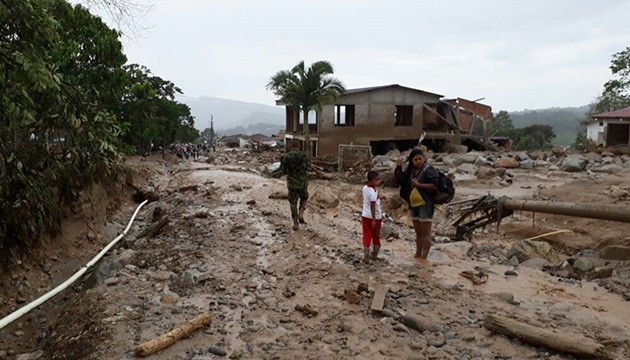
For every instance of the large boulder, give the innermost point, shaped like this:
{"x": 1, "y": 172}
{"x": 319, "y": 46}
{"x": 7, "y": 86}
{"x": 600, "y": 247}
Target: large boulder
{"x": 450, "y": 251}
{"x": 574, "y": 163}
{"x": 489, "y": 173}
{"x": 448, "y": 160}
{"x": 529, "y": 249}
{"x": 469, "y": 158}
{"x": 527, "y": 164}
{"x": 506, "y": 162}
{"x": 593, "y": 157}
{"x": 583, "y": 265}
{"x": 467, "y": 169}
{"x": 626, "y": 165}
{"x": 608, "y": 169}
{"x": 522, "y": 156}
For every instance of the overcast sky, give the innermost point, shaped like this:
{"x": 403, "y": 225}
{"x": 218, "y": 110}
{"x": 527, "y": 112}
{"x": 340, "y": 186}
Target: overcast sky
{"x": 517, "y": 55}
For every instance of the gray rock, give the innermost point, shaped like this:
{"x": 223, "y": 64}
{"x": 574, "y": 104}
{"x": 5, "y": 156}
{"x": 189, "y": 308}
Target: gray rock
{"x": 436, "y": 339}
{"x": 510, "y": 273}
{"x": 560, "y": 309}
{"x": 608, "y": 169}
{"x": 527, "y": 164}
{"x": 30, "y": 356}
{"x": 608, "y": 160}
{"x": 194, "y": 276}
{"x": 101, "y": 273}
{"x": 522, "y": 156}
{"x": 574, "y": 163}
{"x": 467, "y": 168}
{"x": 388, "y": 231}
{"x": 528, "y": 249}
{"x": 626, "y": 165}
{"x": 513, "y": 261}
{"x": 535, "y": 263}
{"x": 583, "y": 265}
{"x": 594, "y": 157}
{"x": 469, "y": 158}
{"x": 448, "y": 160}
{"x": 506, "y": 162}
{"x": 217, "y": 351}
{"x": 615, "y": 252}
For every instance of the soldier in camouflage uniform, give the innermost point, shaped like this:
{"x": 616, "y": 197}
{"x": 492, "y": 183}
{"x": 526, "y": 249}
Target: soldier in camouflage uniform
{"x": 295, "y": 164}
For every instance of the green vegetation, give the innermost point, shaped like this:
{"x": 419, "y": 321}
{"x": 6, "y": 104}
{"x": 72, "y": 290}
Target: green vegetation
{"x": 305, "y": 89}
{"x": 616, "y": 94}
{"x": 61, "y": 84}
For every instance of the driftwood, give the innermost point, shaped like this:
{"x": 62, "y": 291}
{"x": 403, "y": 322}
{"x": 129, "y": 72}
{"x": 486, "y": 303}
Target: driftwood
{"x": 564, "y": 342}
{"x": 154, "y": 228}
{"x": 171, "y": 337}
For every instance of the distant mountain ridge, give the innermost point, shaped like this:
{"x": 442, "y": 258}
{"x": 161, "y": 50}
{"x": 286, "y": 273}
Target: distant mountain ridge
{"x": 565, "y": 121}
{"x": 229, "y": 114}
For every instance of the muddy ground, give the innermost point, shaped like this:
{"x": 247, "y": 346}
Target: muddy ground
{"x": 228, "y": 248}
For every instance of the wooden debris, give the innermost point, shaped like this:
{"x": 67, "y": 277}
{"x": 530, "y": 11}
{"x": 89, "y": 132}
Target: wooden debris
{"x": 154, "y": 228}
{"x": 416, "y": 322}
{"x": 171, "y": 337}
{"x": 188, "y": 188}
{"x": 563, "y": 342}
{"x": 378, "y": 301}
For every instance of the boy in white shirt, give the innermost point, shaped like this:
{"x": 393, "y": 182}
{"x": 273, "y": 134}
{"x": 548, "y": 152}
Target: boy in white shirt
{"x": 371, "y": 217}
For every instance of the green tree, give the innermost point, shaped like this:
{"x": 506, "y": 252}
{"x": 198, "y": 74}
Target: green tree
{"x": 305, "y": 89}
{"x": 152, "y": 114}
{"x": 580, "y": 141}
{"x": 59, "y": 79}
{"x": 533, "y": 137}
{"x": 616, "y": 93}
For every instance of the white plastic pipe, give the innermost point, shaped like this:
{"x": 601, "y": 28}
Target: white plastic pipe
{"x": 42, "y": 299}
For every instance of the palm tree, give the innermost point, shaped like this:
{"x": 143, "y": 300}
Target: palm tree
{"x": 303, "y": 89}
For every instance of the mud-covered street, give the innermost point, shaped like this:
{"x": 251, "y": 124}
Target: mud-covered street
{"x": 274, "y": 293}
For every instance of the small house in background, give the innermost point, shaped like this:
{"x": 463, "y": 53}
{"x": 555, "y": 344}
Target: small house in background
{"x": 610, "y": 129}
{"x": 375, "y": 117}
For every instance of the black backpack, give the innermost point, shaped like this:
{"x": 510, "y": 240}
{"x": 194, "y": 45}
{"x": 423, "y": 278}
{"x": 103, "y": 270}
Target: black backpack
{"x": 445, "y": 189}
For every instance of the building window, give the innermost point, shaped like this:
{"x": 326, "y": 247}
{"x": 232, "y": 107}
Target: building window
{"x": 312, "y": 117}
{"x": 601, "y": 123}
{"x": 344, "y": 115}
{"x": 403, "y": 115}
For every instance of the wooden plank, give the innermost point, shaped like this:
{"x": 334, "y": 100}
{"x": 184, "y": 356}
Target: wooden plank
{"x": 378, "y": 301}
{"x": 563, "y": 342}
{"x": 168, "y": 339}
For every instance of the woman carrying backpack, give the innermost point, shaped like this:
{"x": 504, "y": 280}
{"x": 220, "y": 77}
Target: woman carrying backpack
{"x": 417, "y": 183}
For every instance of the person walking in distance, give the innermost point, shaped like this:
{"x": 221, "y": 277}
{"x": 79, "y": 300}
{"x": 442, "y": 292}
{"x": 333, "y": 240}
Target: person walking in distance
{"x": 417, "y": 182}
{"x": 371, "y": 217}
{"x": 296, "y": 164}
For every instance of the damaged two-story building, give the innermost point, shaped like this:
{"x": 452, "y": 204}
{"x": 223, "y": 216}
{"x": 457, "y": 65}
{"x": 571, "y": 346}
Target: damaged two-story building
{"x": 377, "y": 116}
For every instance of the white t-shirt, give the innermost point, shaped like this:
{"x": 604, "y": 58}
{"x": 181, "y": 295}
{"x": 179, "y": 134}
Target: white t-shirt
{"x": 370, "y": 194}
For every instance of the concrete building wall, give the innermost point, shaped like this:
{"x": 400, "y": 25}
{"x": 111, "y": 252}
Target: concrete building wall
{"x": 595, "y": 132}
{"x": 374, "y": 118}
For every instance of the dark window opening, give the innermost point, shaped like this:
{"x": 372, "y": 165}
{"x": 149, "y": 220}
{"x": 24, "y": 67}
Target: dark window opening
{"x": 601, "y": 123}
{"x": 344, "y": 115}
{"x": 404, "y": 115}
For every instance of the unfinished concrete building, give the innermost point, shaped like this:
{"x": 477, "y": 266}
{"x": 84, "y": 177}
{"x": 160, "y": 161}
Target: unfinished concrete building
{"x": 610, "y": 129}
{"x": 377, "y": 116}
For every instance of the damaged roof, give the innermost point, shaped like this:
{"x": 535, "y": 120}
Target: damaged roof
{"x": 372, "y": 88}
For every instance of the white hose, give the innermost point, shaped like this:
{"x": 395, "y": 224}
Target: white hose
{"x": 42, "y": 299}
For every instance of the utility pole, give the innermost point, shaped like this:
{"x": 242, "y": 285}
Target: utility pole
{"x": 212, "y": 132}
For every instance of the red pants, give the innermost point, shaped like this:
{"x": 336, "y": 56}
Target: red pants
{"x": 370, "y": 236}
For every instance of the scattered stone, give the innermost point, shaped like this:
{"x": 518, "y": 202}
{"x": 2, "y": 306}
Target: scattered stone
{"x": 574, "y": 163}
{"x": 528, "y": 249}
{"x": 402, "y": 328}
{"x": 506, "y": 162}
{"x": 363, "y": 288}
{"x": 507, "y": 297}
{"x": 467, "y": 169}
{"x": 236, "y": 354}
{"x": 30, "y": 356}
{"x": 583, "y": 265}
{"x": 324, "y": 200}
{"x": 20, "y": 300}
{"x": 436, "y": 339}
{"x": 469, "y": 158}
{"x": 352, "y": 297}
{"x": 535, "y": 263}
{"x": 217, "y": 351}
{"x": 513, "y": 261}
{"x": 510, "y": 273}
{"x": 527, "y": 164}
{"x": 489, "y": 173}
{"x": 602, "y": 273}
{"x": 112, "y": 281}
{"x": 251, "y": 202}
{"x": 169, "y": 298}
{"x": 188, "y": 188}
{"x": 236, "y": 187}
{"x": 307, "y": 310}
{"x": 102, "y": 272}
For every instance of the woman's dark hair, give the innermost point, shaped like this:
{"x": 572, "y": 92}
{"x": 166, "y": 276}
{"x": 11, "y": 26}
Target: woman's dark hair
{"x": 412, "y": 154}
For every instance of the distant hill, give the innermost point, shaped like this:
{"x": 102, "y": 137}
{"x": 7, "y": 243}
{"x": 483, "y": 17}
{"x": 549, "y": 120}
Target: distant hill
{"x": 565, "y": 121}
{"x": 229, "y": 114}
{"x": 259, "y": 128}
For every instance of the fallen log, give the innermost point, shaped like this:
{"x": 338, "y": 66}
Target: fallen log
{"x": 564, "y": 342}
{"x": 322, "y": 174}
{"x": 154, "y": 228}
{"x": 171, "y": 337}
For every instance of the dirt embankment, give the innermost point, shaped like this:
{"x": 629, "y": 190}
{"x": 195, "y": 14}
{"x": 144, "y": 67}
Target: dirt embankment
{"x": 275, "y": 293}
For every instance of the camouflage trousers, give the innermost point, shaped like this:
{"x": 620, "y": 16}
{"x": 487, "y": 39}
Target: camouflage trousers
{"x": 294, "y": 195}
